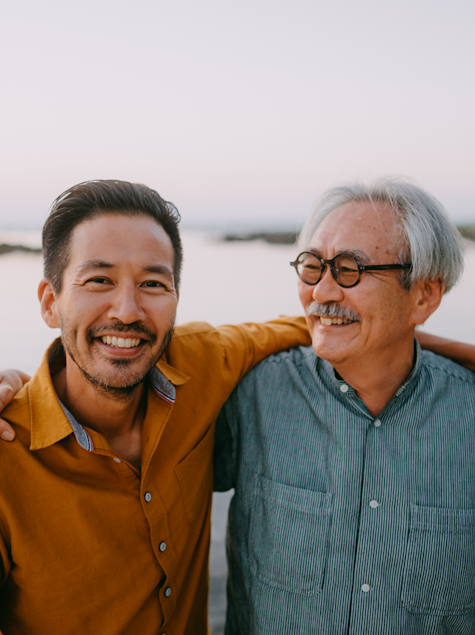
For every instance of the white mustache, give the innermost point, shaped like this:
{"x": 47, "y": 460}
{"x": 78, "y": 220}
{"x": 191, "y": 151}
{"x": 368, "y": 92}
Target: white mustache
{"x": 331, "y": 311}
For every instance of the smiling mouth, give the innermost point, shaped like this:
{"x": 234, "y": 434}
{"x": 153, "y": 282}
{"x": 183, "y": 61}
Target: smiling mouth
{"x": 328, "y": 321}
{"x": 120, "y": 342}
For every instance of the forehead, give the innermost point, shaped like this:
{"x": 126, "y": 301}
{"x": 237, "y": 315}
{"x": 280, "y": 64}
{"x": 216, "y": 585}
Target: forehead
{"x": 366, "y": 227}
{"x": 121, "y": 239}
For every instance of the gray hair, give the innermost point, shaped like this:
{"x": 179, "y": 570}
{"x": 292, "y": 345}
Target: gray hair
{"x": 430, "y": 239}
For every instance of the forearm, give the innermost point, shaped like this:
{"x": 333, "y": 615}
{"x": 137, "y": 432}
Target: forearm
{"x": 463, "y": 354}
{"x": 246, "y": 345}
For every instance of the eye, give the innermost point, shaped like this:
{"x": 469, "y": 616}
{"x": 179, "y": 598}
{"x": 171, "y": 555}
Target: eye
{"x": 98, "y": 280}
{"x": 153, "y": 284}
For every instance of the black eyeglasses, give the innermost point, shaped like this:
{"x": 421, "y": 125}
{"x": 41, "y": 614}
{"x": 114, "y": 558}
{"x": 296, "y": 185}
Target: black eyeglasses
{"x": 346, "y": 270}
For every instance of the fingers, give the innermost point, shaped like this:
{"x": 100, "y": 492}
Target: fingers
{"x": 6, "y": 431}
{"x": 11, "y": 381}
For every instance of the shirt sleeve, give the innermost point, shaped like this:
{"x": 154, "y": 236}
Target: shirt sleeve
{"x": 246, "y": 345}
{"x": 5, "y": 563}
{"x": 225, "y": 449}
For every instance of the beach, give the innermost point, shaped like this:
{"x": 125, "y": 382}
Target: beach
{"x": 223, "y": 282}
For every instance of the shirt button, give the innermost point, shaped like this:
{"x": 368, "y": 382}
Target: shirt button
{"x": 373, "y": 504}
{"x": 377, "y": 423}
{"x": 168, "y": 592}
{"x": 163, "y": 546}
{"x": 117, "y": 460}
{"x": 148, "y": 497}
{"x": 344, "y": 388}
{"x": 365, "y": 588}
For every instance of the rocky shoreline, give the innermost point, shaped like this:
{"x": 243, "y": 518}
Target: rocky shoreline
{"x": 272, "y": 238}
{"x": 8, "y": 249}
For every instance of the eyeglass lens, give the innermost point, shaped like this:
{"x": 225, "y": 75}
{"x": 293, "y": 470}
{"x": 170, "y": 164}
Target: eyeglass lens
{"x": 345, "y": 269}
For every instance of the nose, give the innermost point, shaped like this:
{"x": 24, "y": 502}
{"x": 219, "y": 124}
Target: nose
{"x": 126, "y": 305}
{"x": 327, "y": 289}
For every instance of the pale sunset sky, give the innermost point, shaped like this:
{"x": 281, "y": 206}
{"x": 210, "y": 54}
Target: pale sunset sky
{"x": 241, "y": 113}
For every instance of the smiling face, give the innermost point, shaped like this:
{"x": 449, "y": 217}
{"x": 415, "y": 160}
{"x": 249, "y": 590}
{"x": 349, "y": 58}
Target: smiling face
{"x": 378, "y": 310}
{"x": 118, "y": 301}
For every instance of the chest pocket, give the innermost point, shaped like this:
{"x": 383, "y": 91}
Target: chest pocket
{"x": 439, "y": 576}
{"x": 288, "y": 536}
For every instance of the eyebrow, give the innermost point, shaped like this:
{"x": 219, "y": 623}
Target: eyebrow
{"x": 356, "y": 253}
{"x": 94, "y": 265}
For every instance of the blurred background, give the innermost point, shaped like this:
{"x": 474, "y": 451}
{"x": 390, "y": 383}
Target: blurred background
{"x": 241, "y": 114}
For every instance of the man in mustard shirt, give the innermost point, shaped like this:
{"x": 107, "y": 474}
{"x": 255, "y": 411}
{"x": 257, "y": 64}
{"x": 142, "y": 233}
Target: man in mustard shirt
{"x": 106, "y": 491}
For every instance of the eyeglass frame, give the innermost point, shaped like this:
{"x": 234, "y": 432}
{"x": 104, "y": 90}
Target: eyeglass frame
{"x": 331, "y": 262}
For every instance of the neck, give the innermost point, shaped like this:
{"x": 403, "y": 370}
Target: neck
{"x": 118, "y": 418}
{"x": 377, "y": 379}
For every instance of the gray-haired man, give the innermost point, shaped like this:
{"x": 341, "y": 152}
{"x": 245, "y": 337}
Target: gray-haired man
{"x": 353, "y": 460}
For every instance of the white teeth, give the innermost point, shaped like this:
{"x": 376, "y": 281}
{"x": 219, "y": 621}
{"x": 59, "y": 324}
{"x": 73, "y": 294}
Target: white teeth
{"x": 329, "y": 321}
{"x": 120, "y": 342}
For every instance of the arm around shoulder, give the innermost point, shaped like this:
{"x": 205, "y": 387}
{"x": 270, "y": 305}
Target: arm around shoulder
{"x": 459, "y": 352}
{"x": 246, "y": 345}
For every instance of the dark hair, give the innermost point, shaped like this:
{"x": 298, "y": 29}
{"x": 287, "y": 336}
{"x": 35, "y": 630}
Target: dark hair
{"x": 90, "y": 199}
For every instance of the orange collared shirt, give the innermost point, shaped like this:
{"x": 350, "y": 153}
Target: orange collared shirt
{"x": 90, "y": 545}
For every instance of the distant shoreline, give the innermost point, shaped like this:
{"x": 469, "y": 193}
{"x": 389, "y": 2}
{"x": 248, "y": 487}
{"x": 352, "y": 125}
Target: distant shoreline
{"x": 272, "y": 238}
{"x": 8, "y": 249}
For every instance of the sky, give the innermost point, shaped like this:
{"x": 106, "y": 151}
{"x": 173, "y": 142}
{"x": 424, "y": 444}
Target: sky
{"x": 241, "y": 113}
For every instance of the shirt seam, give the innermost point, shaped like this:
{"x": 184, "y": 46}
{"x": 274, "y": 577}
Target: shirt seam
{"x": 450, "y": 373}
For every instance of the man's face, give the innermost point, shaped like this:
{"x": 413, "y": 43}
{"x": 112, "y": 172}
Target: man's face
{"x": 118, "y": 302}
{"x": 381, "y": 309}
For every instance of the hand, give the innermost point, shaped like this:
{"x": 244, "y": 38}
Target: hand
{"x": 11, "y": 381}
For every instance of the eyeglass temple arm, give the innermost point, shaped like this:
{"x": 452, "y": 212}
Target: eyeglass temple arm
{"x": 381, "y": 267}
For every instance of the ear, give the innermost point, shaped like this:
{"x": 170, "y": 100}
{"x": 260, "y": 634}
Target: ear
{"x": 428, "y": 296}
{"x": 47, "y": 299}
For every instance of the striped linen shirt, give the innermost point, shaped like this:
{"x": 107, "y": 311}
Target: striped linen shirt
{"x": 343, "y": 522}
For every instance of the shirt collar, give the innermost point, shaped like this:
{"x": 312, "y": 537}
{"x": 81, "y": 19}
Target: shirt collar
{"x": 338, "y": 382}
{"x": 51, "y": 421}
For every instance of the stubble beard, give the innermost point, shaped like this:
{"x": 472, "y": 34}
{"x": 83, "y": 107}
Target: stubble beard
{"x": 127, "y": 384}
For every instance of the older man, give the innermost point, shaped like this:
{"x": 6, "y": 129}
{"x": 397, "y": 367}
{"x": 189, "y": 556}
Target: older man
{"x": 353, "y": 460}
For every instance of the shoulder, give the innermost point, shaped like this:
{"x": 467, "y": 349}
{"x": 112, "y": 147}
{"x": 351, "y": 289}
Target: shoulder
{"x": 295, "y": 360}
{"x": 18, "y": 411}
{"x": 445, "y": 371}
{"x": 15, "y": 453}
{"x": 192, "y": 329}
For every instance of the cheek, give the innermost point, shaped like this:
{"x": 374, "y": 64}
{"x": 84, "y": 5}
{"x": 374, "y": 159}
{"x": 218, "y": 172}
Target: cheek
{"x": 305, "y": 293}
{"x": 163, "y": 314}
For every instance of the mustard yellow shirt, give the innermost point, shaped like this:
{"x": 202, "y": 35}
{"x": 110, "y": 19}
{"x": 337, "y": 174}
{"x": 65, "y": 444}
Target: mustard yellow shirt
{"x": 90, "y": 545}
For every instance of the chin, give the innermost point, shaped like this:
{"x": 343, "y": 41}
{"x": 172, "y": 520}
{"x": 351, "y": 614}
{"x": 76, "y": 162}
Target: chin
{"x": 329, "y": 353}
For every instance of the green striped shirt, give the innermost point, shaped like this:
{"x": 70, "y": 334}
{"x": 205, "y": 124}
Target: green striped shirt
{"x": 342, "y": 522}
